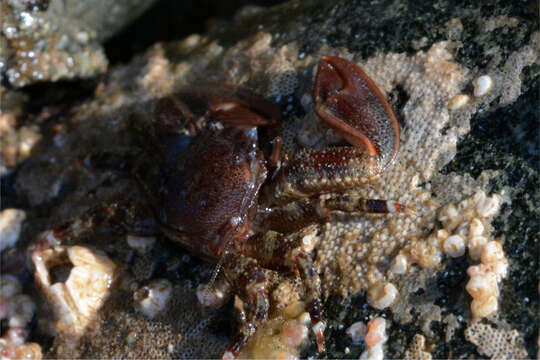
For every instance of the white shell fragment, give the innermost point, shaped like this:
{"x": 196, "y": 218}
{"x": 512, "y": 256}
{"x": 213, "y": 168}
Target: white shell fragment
{"x": 482, "y": 85}
{"x": 10, "y": 227}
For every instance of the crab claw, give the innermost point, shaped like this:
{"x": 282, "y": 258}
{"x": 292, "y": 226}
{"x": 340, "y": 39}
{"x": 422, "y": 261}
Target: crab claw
{"x": 350, "y": 102}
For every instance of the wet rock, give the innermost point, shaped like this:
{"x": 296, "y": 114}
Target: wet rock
{"x": 58, "y": 40}
{"x": 426, "y": 68}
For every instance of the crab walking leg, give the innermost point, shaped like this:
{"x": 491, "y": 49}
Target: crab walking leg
{"x": 250, "y": 284}
{"x": 301, "y": 213}
{"x": 284, "y": 253}
{"x": 120, "y": 217}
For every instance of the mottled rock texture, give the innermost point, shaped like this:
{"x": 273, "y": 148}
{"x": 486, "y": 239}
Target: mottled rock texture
{"x": 422, "y": 55}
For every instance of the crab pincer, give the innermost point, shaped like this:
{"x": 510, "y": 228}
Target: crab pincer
{"x": 348, "y": 101}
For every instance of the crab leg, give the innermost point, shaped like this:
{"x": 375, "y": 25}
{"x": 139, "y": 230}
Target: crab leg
{"x": 249, "y": 282}
{"x": 278, "y": 252}
{"x": 119, "y": 216}
{"x": 298, "y": 214}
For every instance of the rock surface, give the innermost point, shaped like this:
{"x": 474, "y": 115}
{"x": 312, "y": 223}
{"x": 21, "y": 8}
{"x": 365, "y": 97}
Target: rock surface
{"x": 425, "y": 58}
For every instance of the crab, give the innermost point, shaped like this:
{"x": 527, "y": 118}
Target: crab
{"x": 221, "y": 199}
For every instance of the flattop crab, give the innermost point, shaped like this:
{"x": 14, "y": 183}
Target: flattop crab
{"x": 219, "y": 198}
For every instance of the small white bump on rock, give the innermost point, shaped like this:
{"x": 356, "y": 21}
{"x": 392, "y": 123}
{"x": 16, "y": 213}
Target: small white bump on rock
{"x": 141, "y": 244}
{"x": 454, "y": 246}
{"x": 489, "y": 206}
{"x": 463, "y": 230}
{"x": 304, "y": 318}
{"x": 458, "y": 101}
{"x": 153, "y": 298}
{"x": 482, "y": 85}
{"x": 382, "y": 295}
{"x": 448, "y": 213}
{"x": 10, "y": 227}
{"x": 16, "y": 336}
{"x": 442, "y": 234}
{"x": 399, "y": 264}
{"x": 357, "y": 332}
